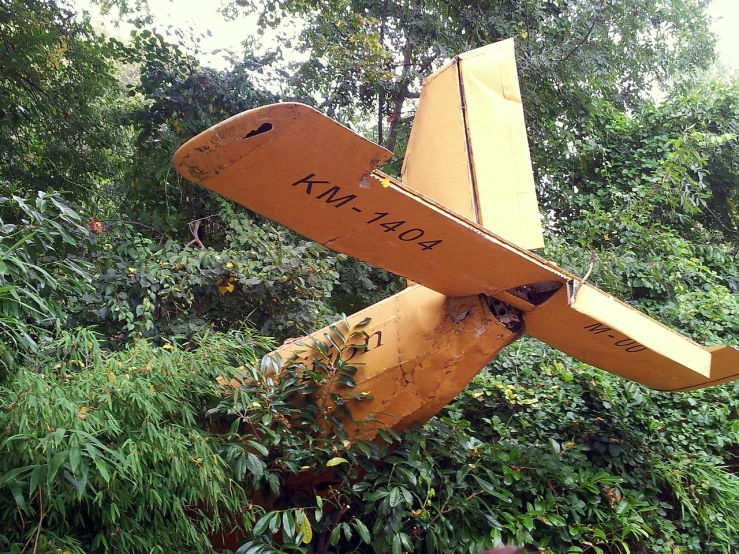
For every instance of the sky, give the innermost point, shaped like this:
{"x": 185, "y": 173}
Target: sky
{"x": 726, "y": 26}
{"x": 203, "y": 15}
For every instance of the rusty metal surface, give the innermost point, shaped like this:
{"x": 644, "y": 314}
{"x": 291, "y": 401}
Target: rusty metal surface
{"x": 422, "y": 350}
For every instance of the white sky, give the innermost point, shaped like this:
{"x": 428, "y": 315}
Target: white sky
{"x": 726, "y": 26}
{"x": 203, "y": 15}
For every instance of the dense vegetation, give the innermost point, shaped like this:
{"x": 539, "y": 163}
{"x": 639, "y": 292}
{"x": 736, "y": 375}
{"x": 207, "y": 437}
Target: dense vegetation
{"x": 135, "y": 415}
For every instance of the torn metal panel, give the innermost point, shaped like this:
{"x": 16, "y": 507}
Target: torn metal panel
{"x": 535, "y": 294}
{"x": 422, "y": 350}
{"x": 508, "y": 315}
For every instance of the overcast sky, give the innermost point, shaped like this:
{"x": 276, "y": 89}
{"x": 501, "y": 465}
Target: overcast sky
{"x": 727, "y": 28}
{"x": 203, "y": 15}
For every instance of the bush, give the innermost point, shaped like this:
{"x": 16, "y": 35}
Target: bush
{"x": 251, "y": 270}
{"x": 39, "y": 269}
{"x": 110, "y": 451}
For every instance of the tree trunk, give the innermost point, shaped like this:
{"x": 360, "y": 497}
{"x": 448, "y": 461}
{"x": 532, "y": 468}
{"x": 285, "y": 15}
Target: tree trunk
{"x": 400, "y": 96}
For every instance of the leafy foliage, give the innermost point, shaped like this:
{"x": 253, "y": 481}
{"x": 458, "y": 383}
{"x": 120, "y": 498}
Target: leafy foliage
{"x": 133, "y": 413}
{"x": 162, "y": 289}
{"x": 540, "y": 451}
{"x": 58, "y": 102}
{"x": 105, "y": 451}
{"x": 174, "y": 99}
{"x": 644, "y": 198}
{"x": 570, "y": 54}
{"x": 38, "y": 270}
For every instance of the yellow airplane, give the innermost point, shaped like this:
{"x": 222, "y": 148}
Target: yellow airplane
{"x": 459, "y": 224}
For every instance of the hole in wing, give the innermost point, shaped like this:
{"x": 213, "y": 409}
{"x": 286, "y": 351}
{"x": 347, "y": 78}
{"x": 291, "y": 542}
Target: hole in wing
{"x": 263, "y": 128}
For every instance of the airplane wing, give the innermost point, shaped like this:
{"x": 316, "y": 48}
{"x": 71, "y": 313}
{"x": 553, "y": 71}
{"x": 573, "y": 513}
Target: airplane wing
{"x": 300, "y": 168}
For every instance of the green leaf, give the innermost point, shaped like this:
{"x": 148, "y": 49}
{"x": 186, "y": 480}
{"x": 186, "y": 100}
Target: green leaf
{"x": 318, "y": 514}
{"x": 485, "y": 485}
{"x": 56, "y": 463}
{"x": 288, "y": 524}
{"x": 240, "y": 467}
{"x": 335, "y": 330}
{"x": 102, "y": 469}
{"x": 36, "y": 476}
{"x": 528, "y": 523}
{"x": 395, "y": 495}
{"x": 263, "y": 524}
{"x": 258, "y": 447}
{"x": 17, "y": 494}
{"x": 384, "y": 435}
{"x": 372, "y": 496}
{"x": 255, "y": 465}
{"x": 336, "y": 461}
{"x": 362, "y": 530}
{"x": 346, "y": 380}
{"x": 397, "y": 544}
{"x": 274, "y": 522}
{"x": 321, "y": 347}
{"x": 251, "y": 547}
{"x": 335, "y": 534}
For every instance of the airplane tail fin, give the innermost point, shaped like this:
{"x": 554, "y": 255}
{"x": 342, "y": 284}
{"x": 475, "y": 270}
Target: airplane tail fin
{"x": 468, "y": 148}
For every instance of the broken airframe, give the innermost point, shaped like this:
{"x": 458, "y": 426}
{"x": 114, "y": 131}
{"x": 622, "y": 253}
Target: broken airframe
{"x": 459, "y": 224}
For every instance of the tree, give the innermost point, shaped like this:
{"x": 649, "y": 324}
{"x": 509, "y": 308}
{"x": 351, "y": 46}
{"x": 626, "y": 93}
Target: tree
{"x": 370, "y": 56}
{"x": 58, "y": 102}
{"x": 134, "y": 415}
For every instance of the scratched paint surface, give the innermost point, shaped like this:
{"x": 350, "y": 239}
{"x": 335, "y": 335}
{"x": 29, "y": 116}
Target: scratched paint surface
{"x": 422, "y": 349}
{"x": 299, "y": 168}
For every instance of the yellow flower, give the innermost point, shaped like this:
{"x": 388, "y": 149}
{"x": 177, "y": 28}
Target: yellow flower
{"x": 229, "y": 265}
{"x": 132, "y": 270}
{"x": 167, "y": 347}
{"x": 385, "y": 182}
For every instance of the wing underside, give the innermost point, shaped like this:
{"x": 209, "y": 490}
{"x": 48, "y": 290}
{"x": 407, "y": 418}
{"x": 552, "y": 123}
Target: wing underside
{"x": 298, "y": 167}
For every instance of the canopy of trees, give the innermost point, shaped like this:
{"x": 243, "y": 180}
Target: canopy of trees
{"x": 135, "y": 306}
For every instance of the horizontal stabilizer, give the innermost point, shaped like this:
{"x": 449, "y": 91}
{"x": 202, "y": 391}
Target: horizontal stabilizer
{"x": 598, "y": 329}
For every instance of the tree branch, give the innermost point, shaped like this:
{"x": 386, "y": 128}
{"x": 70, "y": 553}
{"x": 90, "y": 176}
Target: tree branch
{"x": 401, "y": 95}
{"x": 579, "y": 44}
{"x": 380, "y": 97}
{"x": 194, "y": 227}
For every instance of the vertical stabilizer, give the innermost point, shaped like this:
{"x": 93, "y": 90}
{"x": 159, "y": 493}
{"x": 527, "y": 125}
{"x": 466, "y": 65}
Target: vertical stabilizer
{"x": 468, "y": 148}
